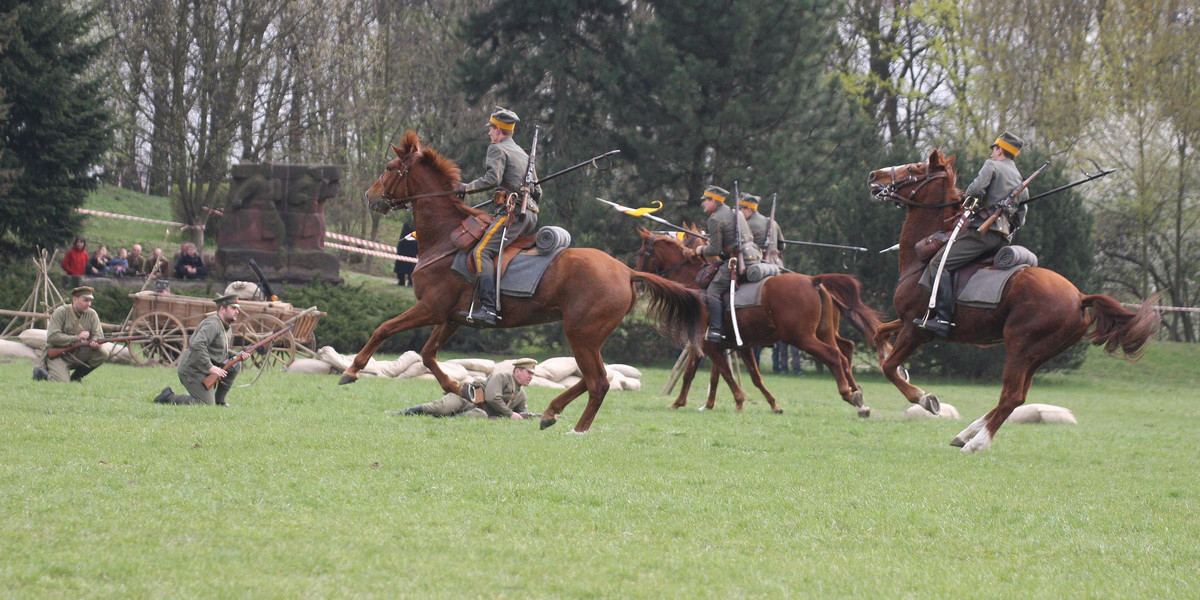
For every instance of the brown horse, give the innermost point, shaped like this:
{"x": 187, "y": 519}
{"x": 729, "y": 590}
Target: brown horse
{"x": 1040, "y": 314}
{"x": 588, "y": 290}
{"x": 797, "y": 309}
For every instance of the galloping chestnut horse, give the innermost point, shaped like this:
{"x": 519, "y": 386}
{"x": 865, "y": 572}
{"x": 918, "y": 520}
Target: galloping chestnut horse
{"x": 796, "y": 308}
{"x": 588, "y": 290}
{"x": 1040, "y": 315}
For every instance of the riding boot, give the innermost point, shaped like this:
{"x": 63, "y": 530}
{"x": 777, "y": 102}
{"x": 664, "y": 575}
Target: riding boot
{"x": 40, "y": 373}
{"x": 78, "y": 374}
{"x": 940, "y": 323}
{"x": 716, "y": 319}
{"x": 485, "y": 311}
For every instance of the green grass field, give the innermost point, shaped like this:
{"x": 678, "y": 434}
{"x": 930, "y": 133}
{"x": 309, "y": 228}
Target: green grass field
{"x": 304, "y": 489}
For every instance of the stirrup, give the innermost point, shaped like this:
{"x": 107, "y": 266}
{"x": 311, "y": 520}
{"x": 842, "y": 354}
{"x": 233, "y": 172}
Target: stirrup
{"x": 714, "y": 336}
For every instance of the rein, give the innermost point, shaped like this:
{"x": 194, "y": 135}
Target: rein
{"x": 892, "y": 190}
{"x": 389, "y": 191}
{"x": 652, "y": 262}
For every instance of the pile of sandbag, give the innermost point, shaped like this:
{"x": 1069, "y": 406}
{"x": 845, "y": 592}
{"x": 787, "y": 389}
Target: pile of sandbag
{"x": 33, "y": 340}
{"x": 558, "y": 373}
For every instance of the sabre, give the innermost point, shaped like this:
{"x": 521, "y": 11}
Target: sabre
{"x": 738, "y": 270}
{"x": 937, "y": 280}
{"x": 642, "y": 212}
{"x": 1060, "y": 188}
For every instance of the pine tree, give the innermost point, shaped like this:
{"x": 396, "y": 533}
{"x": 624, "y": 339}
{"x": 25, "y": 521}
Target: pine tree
{"x": 57, "y": 126}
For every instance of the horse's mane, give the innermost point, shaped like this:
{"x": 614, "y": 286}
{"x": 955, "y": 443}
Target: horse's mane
{"x": 440, "y": 164}
{"x": 947, "y": 163}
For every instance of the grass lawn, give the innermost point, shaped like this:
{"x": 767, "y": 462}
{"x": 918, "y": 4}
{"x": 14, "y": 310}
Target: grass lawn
{"x": 306, "y": 489}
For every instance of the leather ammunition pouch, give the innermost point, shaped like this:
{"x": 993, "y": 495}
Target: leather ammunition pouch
{"x": 707, "y": 273}
{"x": 929, "y": 246}
{"x": 471, "y": 230}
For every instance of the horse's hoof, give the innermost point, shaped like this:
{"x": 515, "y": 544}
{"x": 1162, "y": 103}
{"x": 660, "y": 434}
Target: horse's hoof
{"x": 547, "y": 422}
{"x": 856, "y": 399}
{"x": 576, "y": 432}
{"x": 703, "y": 408}
{"x": 903, "y": 373}
{"x": 864, "y": 411}
{"x": 930, "y": 403}
{"x": 674, "y": 405}
{"x": 778, "y": 411}
{"x": 958, "y": 442}
{"x": 347, "y": 380}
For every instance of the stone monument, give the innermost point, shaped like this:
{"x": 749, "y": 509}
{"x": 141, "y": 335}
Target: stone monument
{"x": 276, "y": 215}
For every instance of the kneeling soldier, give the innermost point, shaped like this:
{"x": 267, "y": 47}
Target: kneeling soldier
{"x": 500, "y": 397}
{"x": 71, "y": 324}
{"x": 208, "y": 350}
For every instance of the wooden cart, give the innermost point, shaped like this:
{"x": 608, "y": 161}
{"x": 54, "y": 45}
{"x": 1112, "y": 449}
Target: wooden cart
{"x": 168, "y": 319}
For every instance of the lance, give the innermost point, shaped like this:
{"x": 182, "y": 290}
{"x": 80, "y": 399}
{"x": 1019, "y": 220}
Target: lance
{"x": 838, "y": 246}
{"x": 645, "y": 212}
{"x": 591, "y": 161}
{"x": 1060, "y": 188}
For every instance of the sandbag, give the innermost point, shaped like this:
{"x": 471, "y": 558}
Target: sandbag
{"x": 245, "y": 290}
{"x": 916, "y": 412}
{"x": 12, "y": 349}
{"x": 309, "y": 366}
{"x": 543, "y": 382}
{"x": 335, "y": 360}
{"x": 630, "y": 384}
{"x": 118, "y": 353}
{"x": 34, "y": 338}
{"x": 551, "y": 238}
{"x": 416, "y": 369}
{"x": 1042, "y": 413}
{"x": 398, "y": 367}
{"x": 1010, "y": 256}
{"x": 481, "y": 365}
{"x": 555, "y": 369}
{"x": 570, "y": 380}
{"x": 625, "y": 370}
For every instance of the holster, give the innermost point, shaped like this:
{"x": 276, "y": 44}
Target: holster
{"x": 706, "y": 274}
{"x": 470, "y": 231}
{"x": 929, "y": 246}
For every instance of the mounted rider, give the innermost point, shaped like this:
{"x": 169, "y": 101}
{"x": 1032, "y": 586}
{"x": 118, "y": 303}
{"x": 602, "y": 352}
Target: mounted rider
{"x": 997, "y": 179}
{"x": 506, "y": 166}
{"x": 767, "y": 235}
{"x": 723, "y": 227}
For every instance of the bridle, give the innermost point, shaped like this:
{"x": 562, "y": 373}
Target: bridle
{"x": 648, "y": 259}
{"x": 393, "y": 200}
{"x": 891, "y": 191}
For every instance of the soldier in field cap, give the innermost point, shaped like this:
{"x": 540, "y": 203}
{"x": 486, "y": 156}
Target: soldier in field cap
{"x": 727, "y": 233}
{"x": 506, "y": 165}
{"x": 71, "y": 324}
{"x": 208, "y": 350}
{"x": 997, "y": 179}
{"x": 500, "y": 397}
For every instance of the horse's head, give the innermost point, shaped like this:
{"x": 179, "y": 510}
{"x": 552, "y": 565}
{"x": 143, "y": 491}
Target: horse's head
{"x": 908, "y": 185}
{"x": 400, "y": 183}
{"x": 660, "y": 253}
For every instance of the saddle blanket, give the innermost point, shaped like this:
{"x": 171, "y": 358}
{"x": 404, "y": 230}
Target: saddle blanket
{"x": 984, "y": 288}
{"x": 749, "y": 294}
{"x": 522, "y": 275}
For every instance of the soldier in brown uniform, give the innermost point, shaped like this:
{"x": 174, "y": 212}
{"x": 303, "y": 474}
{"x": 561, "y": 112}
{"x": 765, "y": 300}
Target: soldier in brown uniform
{"x": 723, "y": 228}
{"x": 500, "y": 397}
{"x": 208, "y": 350}
{"x": 997, "y": 179}
{"x": 506, "y": 165}
{"x": 70, "y": 324}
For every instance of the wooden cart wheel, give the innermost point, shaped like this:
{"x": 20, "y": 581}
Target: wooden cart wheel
{"x": 168, "y": 338}
{"x": 253, "y": 328}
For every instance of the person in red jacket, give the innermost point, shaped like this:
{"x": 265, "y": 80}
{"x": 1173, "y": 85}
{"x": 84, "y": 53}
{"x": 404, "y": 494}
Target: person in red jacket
{"x": 75, "y": 262}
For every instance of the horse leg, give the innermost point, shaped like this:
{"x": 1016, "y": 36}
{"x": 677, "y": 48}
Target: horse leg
{"x": 721, "y": 367}
{"x": 438, "y": 338}
{"x": 974, "y": 428}
{"x": 890, "y": 363}
{"x": 832, "y": 357}
{"x": 594, "y": 377}
{"x": 689, "y": 373}
{"x": 417, "y": 316}
{"x": 747, "y": 355}
{"x": 550, "y": 415}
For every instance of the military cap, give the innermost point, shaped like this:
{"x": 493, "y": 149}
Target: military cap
{"x": 750, "y": 201}
{"x": 227, "y": 300}
{"x": 524, "y": 363}
{"x": 504, "y": 119}
{"x": 716, "y": 193}
{"x": 85, "y": 291}
{"x": 1009, "y": 143}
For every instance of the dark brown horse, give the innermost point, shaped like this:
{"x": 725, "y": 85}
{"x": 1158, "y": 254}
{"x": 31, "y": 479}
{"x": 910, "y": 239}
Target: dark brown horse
{"x": 588, "y": 290}
{"x": 1040, "y": 315}
{"x": 797, "y": 309}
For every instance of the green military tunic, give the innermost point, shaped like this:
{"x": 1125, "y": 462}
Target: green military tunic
{"x": 502, "y": 396}
{"x": 770, "y": 242}
{"x": 506, "y": 165}
{"x": 723, "y": 227}
{"x": 62, "y": 331}
{"x": 996, "y": 180}
{"x": 208, "y": 346}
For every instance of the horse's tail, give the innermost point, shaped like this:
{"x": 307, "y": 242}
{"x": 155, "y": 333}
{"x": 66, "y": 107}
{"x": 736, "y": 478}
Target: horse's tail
{"x": 1115, "y": 327}
{"x": 676, "y": 310}
{"x": 847, "y": 295}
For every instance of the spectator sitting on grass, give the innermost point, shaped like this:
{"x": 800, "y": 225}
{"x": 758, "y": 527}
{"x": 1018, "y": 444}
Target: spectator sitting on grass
{"x": 98, "y": 265}
{"x": 190, "y": 265}
{"x": 118, "y": 266}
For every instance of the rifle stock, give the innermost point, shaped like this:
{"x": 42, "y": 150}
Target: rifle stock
{"x": 211, "y": 379}
{"x": 530, "y": 179}
{"x": 1009, "y": 199}
{"x": 737, "y": 228}
{"x": 57, "y": 352}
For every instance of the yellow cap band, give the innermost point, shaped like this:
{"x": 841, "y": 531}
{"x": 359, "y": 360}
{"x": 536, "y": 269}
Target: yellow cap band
{"x": 715, "y": 196}
{"x": 1007, "y": 147}
{"x": 500, "y": 125}
{"x": 748, "y": 204}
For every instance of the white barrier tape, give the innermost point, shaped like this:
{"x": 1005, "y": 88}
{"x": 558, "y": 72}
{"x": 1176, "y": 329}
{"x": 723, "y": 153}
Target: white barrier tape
{"x": 100, "y": 213}
{"x": 1164, "y": 308}
{"x": 359, "y": 242}
{"x": 390, "y": 255}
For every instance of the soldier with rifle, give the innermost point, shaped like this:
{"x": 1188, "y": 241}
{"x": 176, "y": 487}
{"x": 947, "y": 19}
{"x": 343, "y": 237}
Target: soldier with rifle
{"x": 728, "y": 237}
{"x": 996, "y": 199}
{"x": 510, "y": 173}
{"x": 501, "y": 396}
{"x": 70, "y": 325}
{"x": 207, "y": 353}
{"x": 765, "y": 231}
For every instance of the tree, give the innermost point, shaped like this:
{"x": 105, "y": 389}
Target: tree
{"x": 57, "y": 129}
